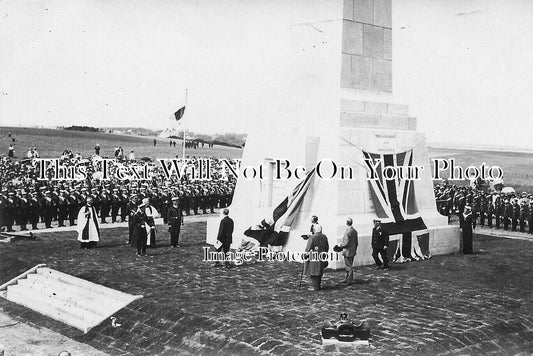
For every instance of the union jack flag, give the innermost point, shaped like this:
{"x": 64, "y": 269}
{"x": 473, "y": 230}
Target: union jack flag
{"x": 275, "y": 227}
{"x": 394, "y": 199}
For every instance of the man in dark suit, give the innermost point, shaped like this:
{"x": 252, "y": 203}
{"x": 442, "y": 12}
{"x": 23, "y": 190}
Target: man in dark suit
{"x": 313, "y": 267}
{"x": 380, "y": 242}
{"x": 349, "y": 248}
{"x": 225, "y": 232}
{"x": 467, "y": 231}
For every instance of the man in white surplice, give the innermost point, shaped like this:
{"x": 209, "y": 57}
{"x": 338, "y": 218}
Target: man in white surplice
{"x": 88, "y": 228}
{"x": 151, "y": 215}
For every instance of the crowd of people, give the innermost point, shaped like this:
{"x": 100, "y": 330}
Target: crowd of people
{"x": 26, "y": 200}
{"x": 510, "y": 211}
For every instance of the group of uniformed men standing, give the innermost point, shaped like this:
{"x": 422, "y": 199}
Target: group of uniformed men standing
{"x": 61, "y": 203}
{"x": 510, "y": 211}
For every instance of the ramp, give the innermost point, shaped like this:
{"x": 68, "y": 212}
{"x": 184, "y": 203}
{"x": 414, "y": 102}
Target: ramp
{"x": 68, "y": 299}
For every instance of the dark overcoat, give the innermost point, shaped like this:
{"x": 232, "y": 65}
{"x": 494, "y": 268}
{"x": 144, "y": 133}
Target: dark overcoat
{"x": 317, "y": 243}
{"x": 225, "y": 231}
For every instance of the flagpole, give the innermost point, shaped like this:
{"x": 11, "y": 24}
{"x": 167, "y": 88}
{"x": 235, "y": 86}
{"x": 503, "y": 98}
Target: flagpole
{"x": 186, "y": 92}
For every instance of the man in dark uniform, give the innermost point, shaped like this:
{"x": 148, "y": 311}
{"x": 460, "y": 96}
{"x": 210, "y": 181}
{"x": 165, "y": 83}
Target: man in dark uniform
{"x": 195, "y": 199}
{"x": 213, "y": 198}
{"x": 482, "y": 209}
{"x": 72, "y": 207}
{"x": 490, "y": 210}
{"x": 175, "y": 220}
{"x": 524, "y": 212}
{"x": 132, "y": 209}
{"x": 33, "y": 210}
{"x": 23, "y": 210}
{"x": 105, "y": 204}
{"x": 62, "y": 206}
{"x": 530, "y": 218}
{"x": 166, "y": 204}
{"x": 186, "y": 201}
{"x": 3, "y": 207}
{"x": 476, "y": 206}
{"x": 116, "y": 201}
{"x": 124, "y": 200}
{"x": 516, "y": 214}
{"x": 137, "y": 219}
{"x": 55, "y": 202}
{"x": 225, "y": 234}
{"x": 380, "y": 243}
{"x": 507, "y": 215}
{"x": 498, "y": 210}
{"x": 48, "y": 209}
{"x": 11, "y": 210}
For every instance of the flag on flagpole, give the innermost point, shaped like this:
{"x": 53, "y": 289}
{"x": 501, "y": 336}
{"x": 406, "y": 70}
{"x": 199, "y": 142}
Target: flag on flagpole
{"x": 179, "y": 114}
{"x": 275, "y": 228}
{"x": 394, "y": 199}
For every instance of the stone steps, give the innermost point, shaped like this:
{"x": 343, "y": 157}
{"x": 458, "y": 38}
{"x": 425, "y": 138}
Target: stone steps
{"x": 71, "y": 300}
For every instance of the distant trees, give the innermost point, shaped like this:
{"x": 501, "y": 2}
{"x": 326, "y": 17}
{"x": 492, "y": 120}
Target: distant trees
{"x": 82, "y": 128}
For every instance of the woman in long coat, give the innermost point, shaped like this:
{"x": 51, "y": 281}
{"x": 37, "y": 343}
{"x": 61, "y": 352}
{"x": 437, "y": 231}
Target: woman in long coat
{"x": 467, "y": 231}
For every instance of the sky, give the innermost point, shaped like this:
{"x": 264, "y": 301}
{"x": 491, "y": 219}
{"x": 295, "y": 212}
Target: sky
{"x": 464, "y": 67}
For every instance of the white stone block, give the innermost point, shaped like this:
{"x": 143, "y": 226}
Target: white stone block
{"x": 381, "y": 78}
{"x": 397, "y": 109}
{"x": 352, "y": 105}
{"x": 348, "y": 10}
{"x": 346, "y": 71}
{"x": 361, "y": 72}
{"x": 375, "y": 107}
{"x": 364, "y": 11}
{"x": 373, "y": 41}
{"x": 383, "y": 13}
{"x": 387, "y": 43}
{"x": 352, "y": 37}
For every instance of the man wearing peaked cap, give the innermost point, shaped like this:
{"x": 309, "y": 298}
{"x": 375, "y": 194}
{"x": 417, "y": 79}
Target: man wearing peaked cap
{"x": 131, "y": 210}
{"x": 115, "y": 204}
{"x": 10, "y": 211}
{"x": 124, "y": 204}
{"x": 175, "y": 220}
{"x": 507, "y": 214}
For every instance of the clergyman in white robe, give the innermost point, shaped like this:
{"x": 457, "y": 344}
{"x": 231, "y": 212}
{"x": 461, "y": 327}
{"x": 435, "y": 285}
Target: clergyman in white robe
{"x": 88, "y": 228}
{"x": 151, "y": 215}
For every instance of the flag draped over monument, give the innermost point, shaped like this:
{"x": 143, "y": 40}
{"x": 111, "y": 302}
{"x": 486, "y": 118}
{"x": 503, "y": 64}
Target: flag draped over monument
{"x": 394, "y": 199}
{"x": 275, "y": 227}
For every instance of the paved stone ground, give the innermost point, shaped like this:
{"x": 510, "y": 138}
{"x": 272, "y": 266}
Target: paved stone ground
{"x": 17, "y": 338}
{"x": 451, "y": 305}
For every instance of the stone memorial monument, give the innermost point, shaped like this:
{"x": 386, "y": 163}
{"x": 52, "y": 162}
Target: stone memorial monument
{"x": 339, "y": 109}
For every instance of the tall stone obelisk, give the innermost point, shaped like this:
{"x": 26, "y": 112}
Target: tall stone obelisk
{"x": 339, "y": 104}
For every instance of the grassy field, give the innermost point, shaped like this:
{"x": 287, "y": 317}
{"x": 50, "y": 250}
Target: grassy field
{"x": 51, "y": 143}
{"x": 516, "y": 166}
